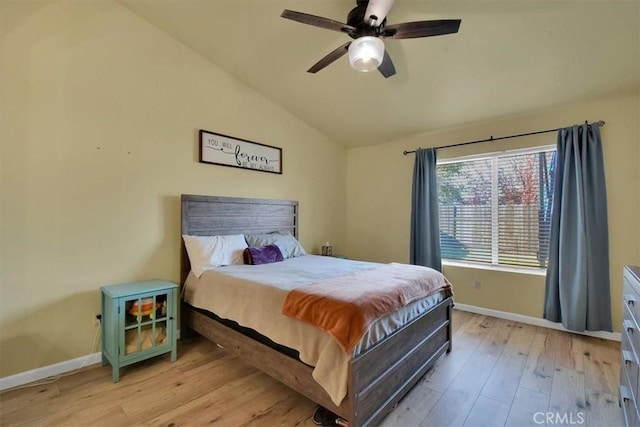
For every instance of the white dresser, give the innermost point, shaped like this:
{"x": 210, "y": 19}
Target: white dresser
{"x": 629, "y": 368}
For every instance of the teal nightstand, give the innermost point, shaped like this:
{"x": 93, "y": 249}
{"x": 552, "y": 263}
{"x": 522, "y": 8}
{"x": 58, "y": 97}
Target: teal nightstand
{"x": 138, "y": 322}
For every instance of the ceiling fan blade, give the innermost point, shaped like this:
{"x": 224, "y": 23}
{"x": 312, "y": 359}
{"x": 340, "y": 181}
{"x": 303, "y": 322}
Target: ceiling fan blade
{"x": 412, "y": 30}
{"x": 330, "y": 58}
{"x": 379, "y": 9}
{"x": 387, "y": 69}
{"x": 317, "y": 21}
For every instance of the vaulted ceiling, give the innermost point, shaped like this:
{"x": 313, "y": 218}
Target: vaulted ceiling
{"x": 509, "y": 58}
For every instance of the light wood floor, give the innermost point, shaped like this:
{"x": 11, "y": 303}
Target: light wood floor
{"x": 499, "y": 373}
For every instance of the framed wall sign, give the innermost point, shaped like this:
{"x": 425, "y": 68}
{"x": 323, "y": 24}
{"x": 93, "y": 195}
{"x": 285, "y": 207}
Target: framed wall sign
{"x": 226, "y": 150}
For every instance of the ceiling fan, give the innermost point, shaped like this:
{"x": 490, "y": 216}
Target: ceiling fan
{"x": 367, "y": 25}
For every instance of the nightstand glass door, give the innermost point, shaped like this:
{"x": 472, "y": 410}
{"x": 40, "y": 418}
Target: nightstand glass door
{"x": 146, "y": 323}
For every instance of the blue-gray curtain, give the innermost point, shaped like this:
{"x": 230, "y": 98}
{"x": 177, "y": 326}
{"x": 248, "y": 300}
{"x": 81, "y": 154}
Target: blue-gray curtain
{"x": 577, "y": 283}
{"x": 425, "y": 221}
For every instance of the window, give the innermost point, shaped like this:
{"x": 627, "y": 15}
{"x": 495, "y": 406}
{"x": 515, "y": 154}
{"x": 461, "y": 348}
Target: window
{"x": 496, "y": 209}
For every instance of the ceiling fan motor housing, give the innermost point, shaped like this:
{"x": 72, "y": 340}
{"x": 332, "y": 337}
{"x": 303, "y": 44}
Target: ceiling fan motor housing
{"x": 357, "y": 20}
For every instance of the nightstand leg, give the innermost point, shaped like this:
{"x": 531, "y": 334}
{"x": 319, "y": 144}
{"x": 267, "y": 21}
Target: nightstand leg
{"x": 115, "y": 373}
{"x": 104, "y": 360}
{"x": 174, "y": 355}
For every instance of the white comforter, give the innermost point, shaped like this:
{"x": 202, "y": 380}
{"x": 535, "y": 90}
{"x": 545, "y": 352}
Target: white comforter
{"x": 252, "y": 296}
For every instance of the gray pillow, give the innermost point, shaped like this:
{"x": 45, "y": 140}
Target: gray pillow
{"x": 287, "y": 244}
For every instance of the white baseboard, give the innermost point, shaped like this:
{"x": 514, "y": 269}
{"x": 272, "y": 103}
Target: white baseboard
{"x": 49, "y": 371}
{"x": 52, "y": 370}
{"x": 613, "y": 336}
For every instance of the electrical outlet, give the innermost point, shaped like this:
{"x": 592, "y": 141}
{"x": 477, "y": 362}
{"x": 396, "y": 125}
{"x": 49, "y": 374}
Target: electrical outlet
{"x": 476, "y": 284}
{"x": 98, "y": 319}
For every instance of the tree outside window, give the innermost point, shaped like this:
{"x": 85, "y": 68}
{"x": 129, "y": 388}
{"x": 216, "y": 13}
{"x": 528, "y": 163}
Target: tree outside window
{"x": 496, "y": 209}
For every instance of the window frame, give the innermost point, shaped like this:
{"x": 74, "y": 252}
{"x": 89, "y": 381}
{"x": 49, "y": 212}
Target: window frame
{"x": 539, "y": 271}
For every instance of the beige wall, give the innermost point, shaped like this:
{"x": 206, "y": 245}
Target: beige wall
{"x": 98, "y": 140}
{"x": 379, "y": 198}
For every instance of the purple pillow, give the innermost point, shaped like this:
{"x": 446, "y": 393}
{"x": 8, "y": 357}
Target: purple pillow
{"x": 262, "y": 255}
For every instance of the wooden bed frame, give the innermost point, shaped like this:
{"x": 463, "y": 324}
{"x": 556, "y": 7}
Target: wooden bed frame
{"x": 378, "y": 378}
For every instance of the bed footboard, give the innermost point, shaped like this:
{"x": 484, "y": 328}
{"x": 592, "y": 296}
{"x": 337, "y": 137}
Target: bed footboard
{"x": 382, "y": 375}
{"x": 378, "y": 378}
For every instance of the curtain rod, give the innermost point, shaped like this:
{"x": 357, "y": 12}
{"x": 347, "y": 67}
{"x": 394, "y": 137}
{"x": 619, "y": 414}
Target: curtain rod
{"x": 598, "y": 123}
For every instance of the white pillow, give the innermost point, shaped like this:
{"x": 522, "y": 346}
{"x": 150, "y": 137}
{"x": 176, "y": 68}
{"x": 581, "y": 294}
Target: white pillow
{"x": 214, "y": 251}
{"x": 287, "y": 244}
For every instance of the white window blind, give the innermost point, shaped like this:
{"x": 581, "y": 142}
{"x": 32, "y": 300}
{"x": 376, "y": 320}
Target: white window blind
{"x": 496, "y": 209}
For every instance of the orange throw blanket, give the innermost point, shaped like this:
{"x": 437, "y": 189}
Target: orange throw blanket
{"x": 346, "y": 306}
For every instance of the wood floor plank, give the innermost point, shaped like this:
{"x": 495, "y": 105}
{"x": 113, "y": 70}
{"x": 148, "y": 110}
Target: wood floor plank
{"x": 27, "y": 404}
{"x": 446, "y": 370}
{"x": 499, "y": 333}
{"x": 459, "y": 318}
{"x": 133, "y": 390}
{"x": 602, "y": 409}
{"x": 144, "y": 405}
{"x": 478, "y": 323}
{"x": 218, "y": 357}
{"x": 528, "y": 409}
{"x": 467, "y": 338}
{"x": 601, "y": 370}
{"x": 561, "y": 373}
{"x": 413, "y": 409}
{"x": 570, "y": 351}
{"x": 295, "y": 411}
{"x": 106, "y": 415}
{"x": 195, "y": 354}
{"x": 505, "y": 377}
{"x": 179, "y": 415}
{"x": 292, "y": 411}
{"x": 567, "y": 393}
{"x": 487, "y": 413}
{"x": 85, "y": 379}
{"x": 455, "y": 404}
{"x": 247, "y": 407}
{"x": 539, "y": 369}
{"x": 466, "y": 341}
{"x": 520, "y": 339}
{"x": 470, "y": 335}
{"x": 202, "y": 405}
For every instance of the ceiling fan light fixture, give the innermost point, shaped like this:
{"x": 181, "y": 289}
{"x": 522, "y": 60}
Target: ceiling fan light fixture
{"x": 366, "y": 53}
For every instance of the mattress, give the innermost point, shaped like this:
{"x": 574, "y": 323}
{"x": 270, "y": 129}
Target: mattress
{"x": 253, "y": 295}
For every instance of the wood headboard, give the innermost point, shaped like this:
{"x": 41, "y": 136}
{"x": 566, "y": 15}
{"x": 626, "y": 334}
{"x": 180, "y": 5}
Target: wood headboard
{"x": 213, "y": 216}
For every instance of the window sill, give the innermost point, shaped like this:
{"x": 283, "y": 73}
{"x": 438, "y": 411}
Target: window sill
{"x": 520, "y": 270}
